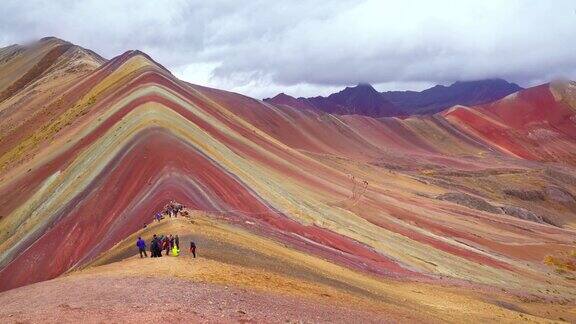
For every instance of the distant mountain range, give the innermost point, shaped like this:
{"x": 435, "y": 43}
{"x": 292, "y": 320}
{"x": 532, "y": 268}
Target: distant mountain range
{"x": 363, "y": 99}
{"x": 438, "y": 98}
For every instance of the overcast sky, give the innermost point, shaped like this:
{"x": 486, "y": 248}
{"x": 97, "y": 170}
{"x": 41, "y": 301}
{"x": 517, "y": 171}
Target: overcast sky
{"x": 311, "y": 47}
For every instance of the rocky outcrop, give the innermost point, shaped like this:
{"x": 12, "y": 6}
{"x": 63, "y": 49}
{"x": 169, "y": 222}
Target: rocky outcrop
{"x": 470, "y": 202}
{"x": 481, "y": 204}
{"x": 561, "y": 176}
{"x": 529, "y": 195}
{"x": 523, "y": 214}
{"x": 559, "y": 195}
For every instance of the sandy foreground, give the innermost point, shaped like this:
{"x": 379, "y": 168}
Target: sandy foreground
{"x": 229, "y": 282}
{"x": 124, "y": 299}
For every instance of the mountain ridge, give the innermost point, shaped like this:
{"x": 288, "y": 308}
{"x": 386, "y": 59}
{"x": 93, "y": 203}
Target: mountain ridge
{"x": 465, "y": 93}
{"x": 404, "y": 103}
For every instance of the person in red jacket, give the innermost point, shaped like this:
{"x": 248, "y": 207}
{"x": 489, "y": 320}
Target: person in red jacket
{"x": 193, "y": 248}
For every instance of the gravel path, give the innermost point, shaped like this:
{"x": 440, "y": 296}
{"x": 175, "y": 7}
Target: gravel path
{"x": 119, "y": 300}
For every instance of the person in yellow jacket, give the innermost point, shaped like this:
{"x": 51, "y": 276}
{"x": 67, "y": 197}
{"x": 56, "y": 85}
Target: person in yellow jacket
{"x": 175, "y": 251}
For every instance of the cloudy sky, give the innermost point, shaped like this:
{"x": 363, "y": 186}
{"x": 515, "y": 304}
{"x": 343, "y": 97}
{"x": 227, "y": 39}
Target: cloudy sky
{"x": 310, "y": 47}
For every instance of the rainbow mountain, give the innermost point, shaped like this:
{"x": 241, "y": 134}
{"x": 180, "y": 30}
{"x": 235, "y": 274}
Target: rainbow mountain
{"x": 467, "y": 213}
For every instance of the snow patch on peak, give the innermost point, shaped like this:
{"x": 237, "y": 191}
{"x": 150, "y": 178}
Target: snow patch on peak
{"x": 511, "y": 96}
{"x": 455, "y": 108}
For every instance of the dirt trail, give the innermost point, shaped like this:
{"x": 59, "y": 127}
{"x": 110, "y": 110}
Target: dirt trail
{"x": 131, "y": 299}
{"x": 239, "y": 277}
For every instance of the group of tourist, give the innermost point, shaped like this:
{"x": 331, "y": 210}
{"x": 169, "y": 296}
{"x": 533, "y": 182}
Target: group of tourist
{"x": 172, "y": 209}
{"x": 164, "y": 243}
{"x": 167, "y": 243}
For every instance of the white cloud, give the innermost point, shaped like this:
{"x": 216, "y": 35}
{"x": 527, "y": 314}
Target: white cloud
{"x": 308, "y": 47}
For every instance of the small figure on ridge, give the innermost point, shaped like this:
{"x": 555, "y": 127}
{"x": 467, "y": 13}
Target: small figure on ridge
{"x": 193, "y": 248}
{"x": 141, "y": 247}
{"x": 166, "y": 245}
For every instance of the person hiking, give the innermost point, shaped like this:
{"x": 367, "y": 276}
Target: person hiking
{"x": 141, "y": 247}
{"x": 152, "y": 253}
{"x": 175, "y": 251}
{"x": 177, "y": 208}
{"x": 193, "y": 248}
{"x": 177, "y": 241}
{"x": 166, "y": 245}
{"x": 158, "y": 248}
{"x": 157, "y": 242}
{"x": 153, "y": 246}
{"x": 171, "y": 241}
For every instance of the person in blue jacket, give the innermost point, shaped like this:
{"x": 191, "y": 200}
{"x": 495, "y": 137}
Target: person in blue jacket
{"x": 141, "y": 247}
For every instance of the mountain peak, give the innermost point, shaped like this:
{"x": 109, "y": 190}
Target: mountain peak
{"x": 146, "y": 59}
{"x": 281, "y": 95}
{"x": 287, "y": 100}
{"x": 485, "y": 82}
{"x": 364, "y": 85}
{"x": 52, "y": 39}
{"x": 361, "y": 99}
